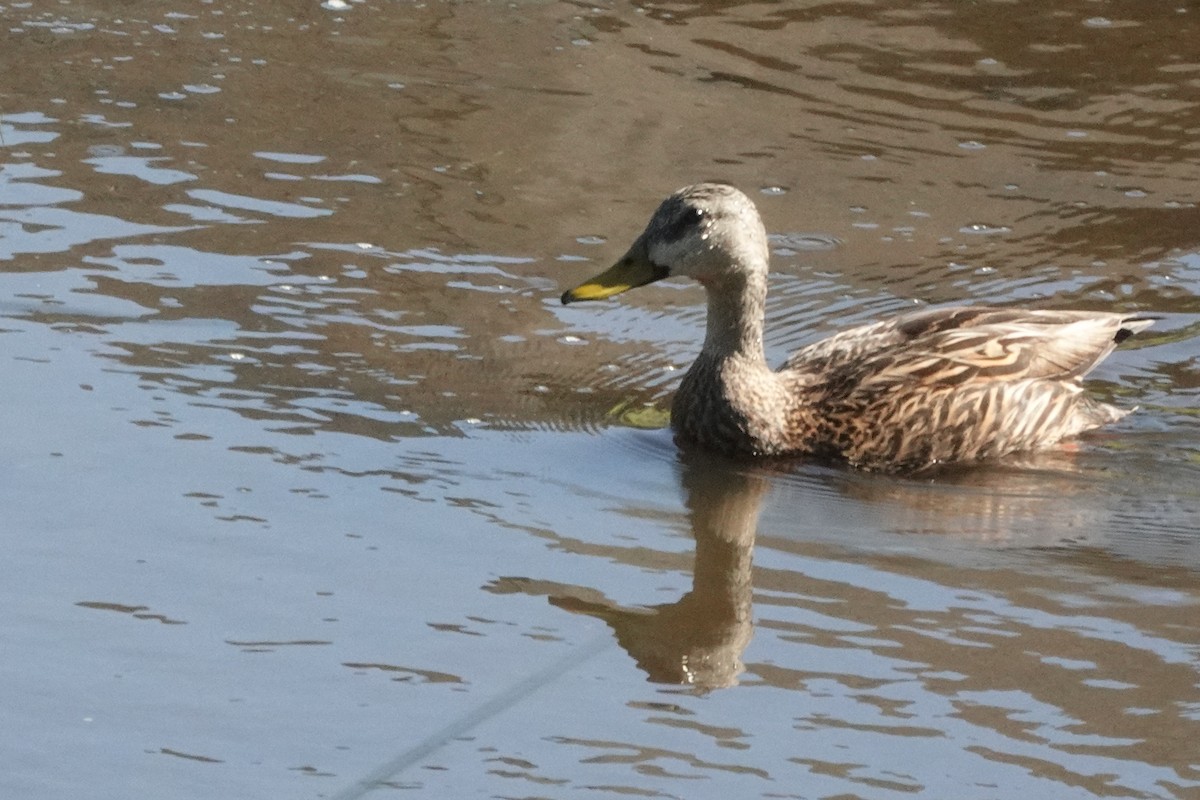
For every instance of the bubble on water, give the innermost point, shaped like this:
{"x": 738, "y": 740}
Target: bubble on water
{"x": 571, "y": 339}
{"x": 172, "y": 95}
{"x": 868, "y": 157}
{"x": 792, "y": 243}
{"x": 773, "y": 191}
{"x": 237, "y": 356}
{"x": 591, "y": 239}
{"x": 1011, "y": 187}
{"x": 983, "y": 229}
{"x": 1135, "y": 193}
{"x": 1098, "y": 22}
{"x": 985, "y": 270}
{"x": 1077, "y": 134}
{"x": 364, "y": 246}
{"x": 972, "y": 145}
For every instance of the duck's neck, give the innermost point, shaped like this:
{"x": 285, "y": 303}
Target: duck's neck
{"x": 730, "y": 400}
{"x": 735, "y": 318}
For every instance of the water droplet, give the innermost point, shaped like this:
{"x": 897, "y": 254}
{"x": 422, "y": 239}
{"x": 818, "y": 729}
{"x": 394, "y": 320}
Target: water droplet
{"x": 983, "y": 229}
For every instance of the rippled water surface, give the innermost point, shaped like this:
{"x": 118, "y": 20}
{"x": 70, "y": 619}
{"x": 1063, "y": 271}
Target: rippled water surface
{"x": 311, "y": 487}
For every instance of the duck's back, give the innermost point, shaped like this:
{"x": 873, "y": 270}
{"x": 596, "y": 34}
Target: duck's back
{"x": 951, "y": 385}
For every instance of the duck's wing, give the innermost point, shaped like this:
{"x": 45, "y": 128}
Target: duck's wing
{"x": 953, "y": 345}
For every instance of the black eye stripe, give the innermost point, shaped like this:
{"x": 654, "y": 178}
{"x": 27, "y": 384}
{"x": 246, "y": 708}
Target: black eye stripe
{"x": 681, "y": 225}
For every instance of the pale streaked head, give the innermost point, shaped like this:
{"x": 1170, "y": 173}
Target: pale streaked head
{"x": 707, "y": 231}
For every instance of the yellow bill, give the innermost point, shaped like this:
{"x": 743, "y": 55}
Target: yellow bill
{"x": 628, "y": 273}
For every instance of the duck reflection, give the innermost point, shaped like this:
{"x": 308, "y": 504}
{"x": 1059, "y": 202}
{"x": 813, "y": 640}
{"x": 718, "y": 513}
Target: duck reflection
{"x": 698, "y": 639}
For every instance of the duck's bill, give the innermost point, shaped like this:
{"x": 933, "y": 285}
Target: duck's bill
{"x": 626, "y": 274}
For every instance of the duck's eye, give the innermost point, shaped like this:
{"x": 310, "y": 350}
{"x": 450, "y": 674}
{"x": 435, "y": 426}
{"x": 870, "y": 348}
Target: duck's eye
{"x": 683, "y": 224}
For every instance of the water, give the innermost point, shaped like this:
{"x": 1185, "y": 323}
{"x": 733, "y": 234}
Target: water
{"x": 313, "y": 489}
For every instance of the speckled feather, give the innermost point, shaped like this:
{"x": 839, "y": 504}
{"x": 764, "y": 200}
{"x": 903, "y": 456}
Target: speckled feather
{"x": 933, "y": 386}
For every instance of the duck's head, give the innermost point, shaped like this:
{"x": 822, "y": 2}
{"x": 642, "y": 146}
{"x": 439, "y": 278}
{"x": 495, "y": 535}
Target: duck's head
{"x": 710, "y": 231}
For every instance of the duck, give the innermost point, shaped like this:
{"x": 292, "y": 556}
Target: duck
{"x": 929, "y": 387}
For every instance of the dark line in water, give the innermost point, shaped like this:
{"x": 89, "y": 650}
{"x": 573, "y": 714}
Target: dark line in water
{"x": 491, "y": 708}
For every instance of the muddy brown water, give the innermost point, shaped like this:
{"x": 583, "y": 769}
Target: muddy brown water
{"x": 311, "y": 488}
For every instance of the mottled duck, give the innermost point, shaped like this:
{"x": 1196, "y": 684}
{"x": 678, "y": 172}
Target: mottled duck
{"x": 922, "y": 388}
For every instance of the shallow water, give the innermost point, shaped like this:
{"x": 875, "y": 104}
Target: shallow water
{"x": 313, "y": 489}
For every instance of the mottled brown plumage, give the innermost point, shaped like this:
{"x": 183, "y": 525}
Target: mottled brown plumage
{"x": 935, "y": 386}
